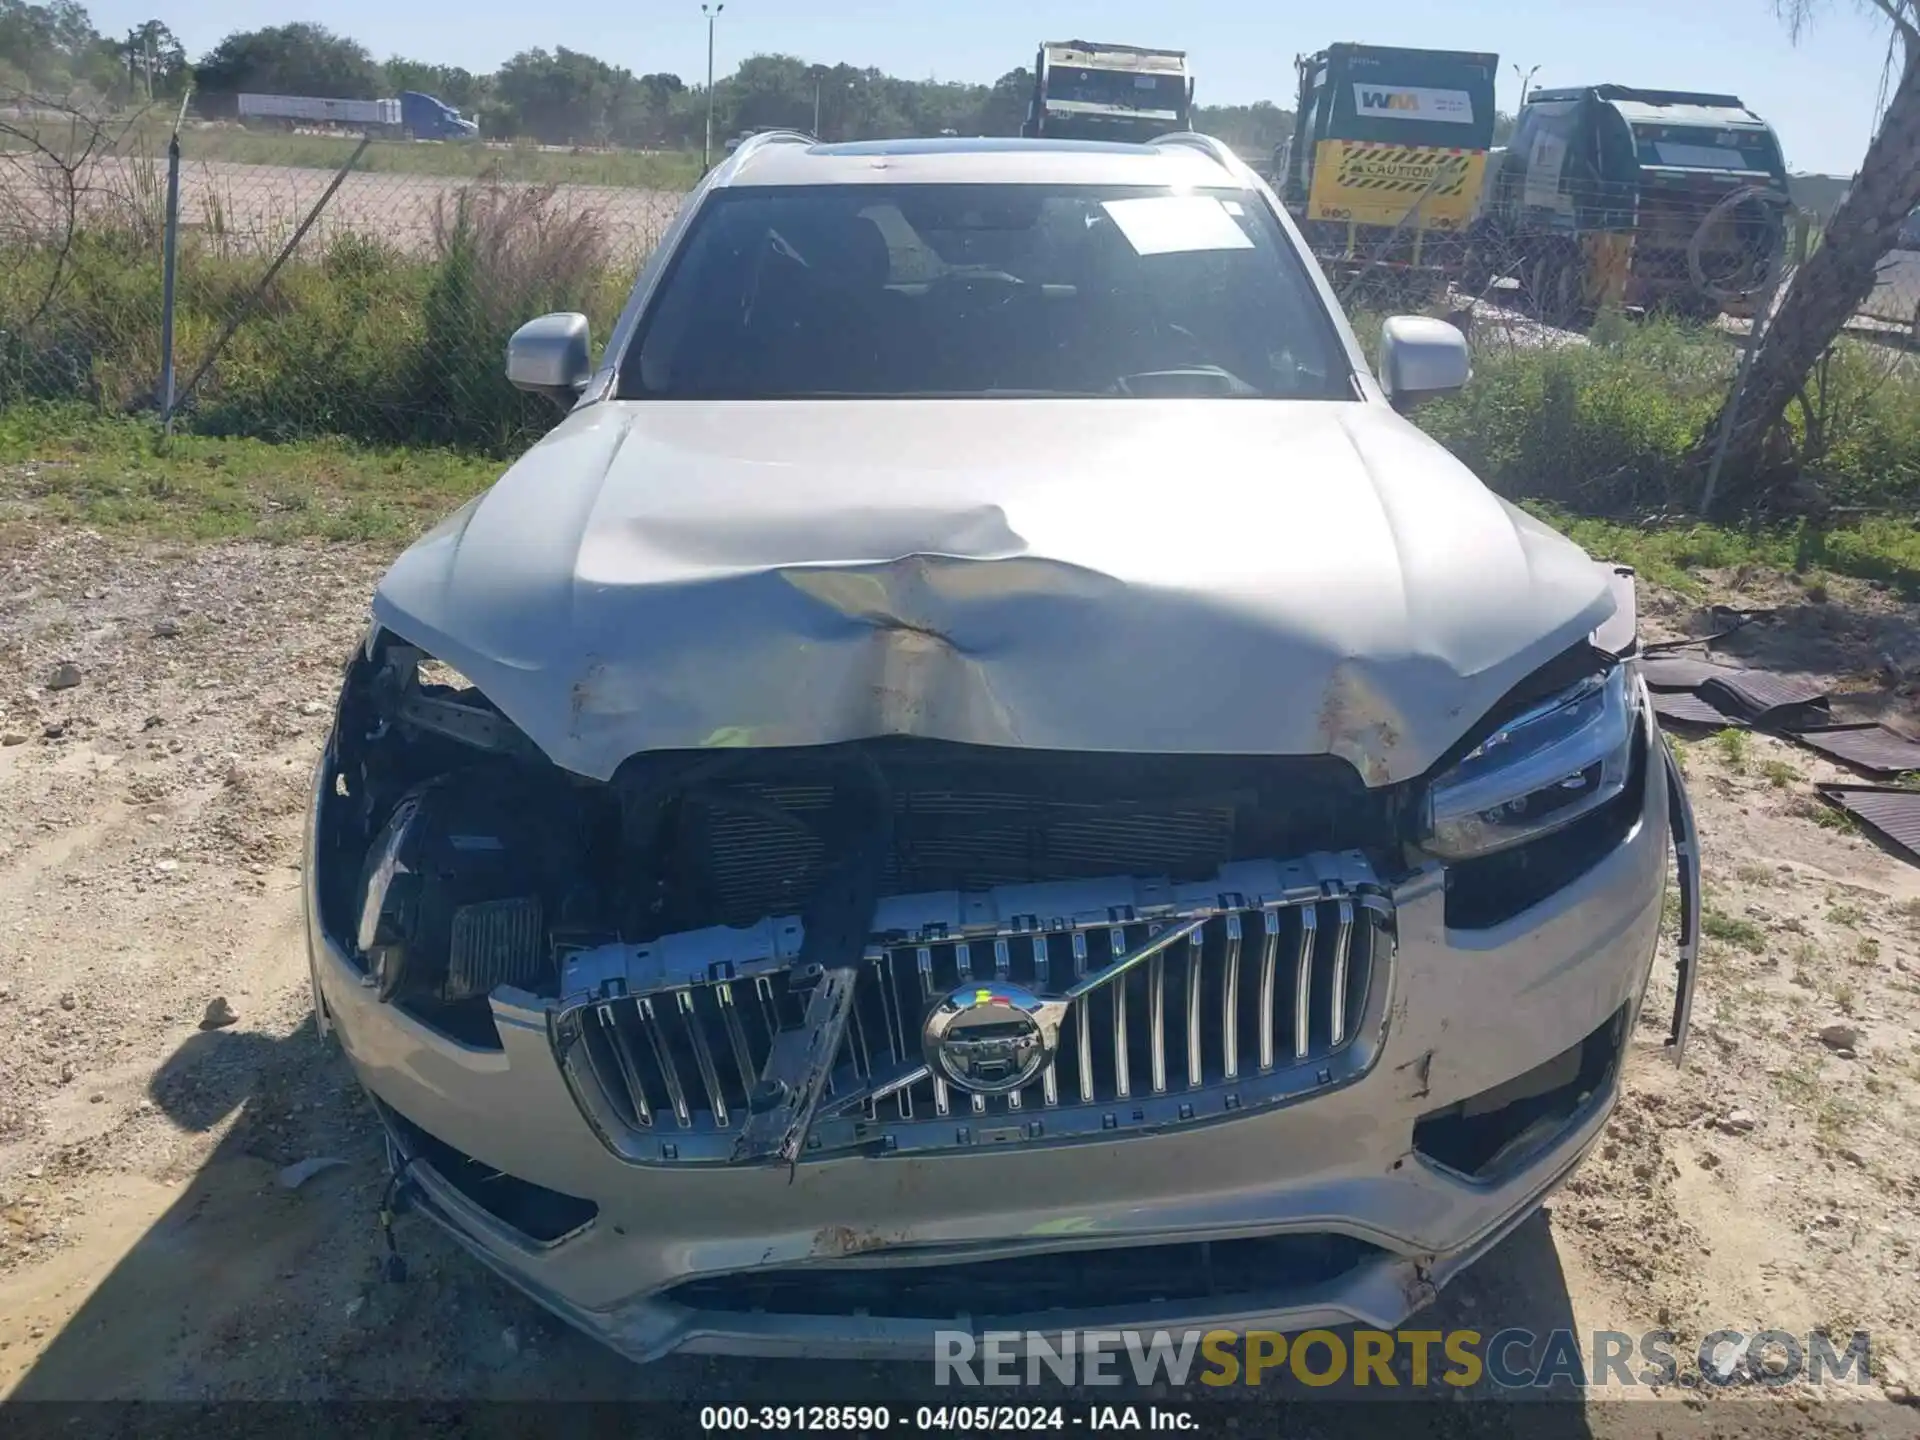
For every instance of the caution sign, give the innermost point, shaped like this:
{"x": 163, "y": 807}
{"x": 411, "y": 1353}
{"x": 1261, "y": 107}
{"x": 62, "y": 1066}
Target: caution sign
{"x": 1374, "y": 184}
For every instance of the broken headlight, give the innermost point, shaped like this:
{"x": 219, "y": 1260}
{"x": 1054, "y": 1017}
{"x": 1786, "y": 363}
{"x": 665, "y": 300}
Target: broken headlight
{"x": 1539, "y": 771}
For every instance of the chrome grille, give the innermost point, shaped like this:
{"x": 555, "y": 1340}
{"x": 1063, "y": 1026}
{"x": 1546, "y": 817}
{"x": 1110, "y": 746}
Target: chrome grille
{"x": 1242, "y": 985}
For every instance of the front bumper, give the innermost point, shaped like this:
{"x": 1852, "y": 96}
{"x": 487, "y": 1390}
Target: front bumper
{"x": 1466, "y": 1012}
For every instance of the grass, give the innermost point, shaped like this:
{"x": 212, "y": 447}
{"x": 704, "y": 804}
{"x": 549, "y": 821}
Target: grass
{"x": 1779, "y": 773}
{"x": 1877, "y": 548}
{"x": 1829, "y": 817}
{"x": 1731, "y": 930}
{"x": 1806, "y": 965}
{"x": 67, "y": 464}
{"x": 1798, "y": 1083}
{"x": 1836, "y": 1115}
{"x": 1734, "y": 748}
{"x": 356, "y": 341}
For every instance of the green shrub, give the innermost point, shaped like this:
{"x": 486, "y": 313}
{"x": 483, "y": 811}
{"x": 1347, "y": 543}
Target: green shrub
{"x": 355, "y": 339}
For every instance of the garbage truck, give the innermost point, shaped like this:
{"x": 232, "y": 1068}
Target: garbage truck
{"x": 1086, "y": 90}
{"x": 1388, "y": 154}
{"x": 1613, "y": 196}
{"x": 410, "y": 114}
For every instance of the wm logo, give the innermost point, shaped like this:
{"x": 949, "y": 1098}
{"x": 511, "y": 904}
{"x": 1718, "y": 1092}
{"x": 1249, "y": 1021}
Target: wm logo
{"x": 1388, "y": 100}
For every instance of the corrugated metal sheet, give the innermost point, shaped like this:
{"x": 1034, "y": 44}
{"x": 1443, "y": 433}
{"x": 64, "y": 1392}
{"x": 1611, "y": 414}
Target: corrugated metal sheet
{"x": 1892, "y": 814}
{"x": 1757, "y": 696}
{"x": 1685, "y": 708}
{"x": 1681, "y": 672}
{"x": 1865, "y": 747}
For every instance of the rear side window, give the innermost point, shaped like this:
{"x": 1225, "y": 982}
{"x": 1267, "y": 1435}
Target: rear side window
{"x": 984, "y": 290}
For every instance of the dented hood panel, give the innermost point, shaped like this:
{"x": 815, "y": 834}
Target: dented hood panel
{"x": 1235, "y": 577}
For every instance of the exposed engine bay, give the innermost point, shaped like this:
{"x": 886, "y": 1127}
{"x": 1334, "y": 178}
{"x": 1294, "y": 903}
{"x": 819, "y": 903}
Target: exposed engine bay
{"x": 484, "y": 864}
{"x": 465, "y": 860}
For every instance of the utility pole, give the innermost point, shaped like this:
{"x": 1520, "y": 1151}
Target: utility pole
{"x": 712, "y": 12}
{"x": 1526, "y": 80}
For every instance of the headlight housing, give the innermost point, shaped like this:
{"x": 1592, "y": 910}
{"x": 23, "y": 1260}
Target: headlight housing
{"x": 1539, "y": 772}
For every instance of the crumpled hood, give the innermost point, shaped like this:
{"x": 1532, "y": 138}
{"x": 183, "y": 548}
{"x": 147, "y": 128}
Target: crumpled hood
{"x": 1227, "y": 577}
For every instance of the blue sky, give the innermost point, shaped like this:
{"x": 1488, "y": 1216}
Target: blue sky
{"x": 1819, "y": 94}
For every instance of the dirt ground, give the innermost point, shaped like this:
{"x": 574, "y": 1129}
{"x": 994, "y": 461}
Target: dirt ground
{"x": 255, "y": 208}
{"x": 149, "y": 849}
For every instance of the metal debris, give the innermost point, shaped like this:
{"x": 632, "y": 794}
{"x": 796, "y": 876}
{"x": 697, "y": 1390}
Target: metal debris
{"x": 301, "y": 1171}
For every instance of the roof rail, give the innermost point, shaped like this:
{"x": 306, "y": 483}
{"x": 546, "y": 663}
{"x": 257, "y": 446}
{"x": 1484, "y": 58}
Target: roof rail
{"x": 761, "y": 139}
{"x": 1206, "y": 144}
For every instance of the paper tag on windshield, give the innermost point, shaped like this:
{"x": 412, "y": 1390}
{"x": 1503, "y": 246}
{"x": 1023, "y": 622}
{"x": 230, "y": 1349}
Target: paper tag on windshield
{"x": 1169, "y": 224}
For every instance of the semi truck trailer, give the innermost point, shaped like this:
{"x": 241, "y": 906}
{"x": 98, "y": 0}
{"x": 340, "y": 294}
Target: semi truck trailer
{"x": 410, "y": 114}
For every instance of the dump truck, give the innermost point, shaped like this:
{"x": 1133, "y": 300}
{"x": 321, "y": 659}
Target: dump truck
{"x": 1387, "y": 157}
{"x": 410, "y": 114}
{"x": 1604, "y": 190}
{"x": 1085, "y": 90}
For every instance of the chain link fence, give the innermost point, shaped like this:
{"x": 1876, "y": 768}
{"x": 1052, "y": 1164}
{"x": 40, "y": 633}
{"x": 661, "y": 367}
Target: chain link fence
{"x": 374, "y": 303}
{"x": 370, "y": 304}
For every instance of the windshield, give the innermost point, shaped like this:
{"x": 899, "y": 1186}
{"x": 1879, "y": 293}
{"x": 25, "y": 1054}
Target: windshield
{"x": 984, "y": 290}
{"x": 1121, "y": 89}
{"x": 1700, "y": 147}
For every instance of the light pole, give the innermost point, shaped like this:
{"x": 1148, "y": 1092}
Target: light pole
{"x": 1526, "y": 80}
{"x": 712, "y": 12}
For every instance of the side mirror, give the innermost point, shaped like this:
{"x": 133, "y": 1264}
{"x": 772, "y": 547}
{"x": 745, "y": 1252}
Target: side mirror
{"x": 1420, "y": 358}
{"x": 551, "y": 356}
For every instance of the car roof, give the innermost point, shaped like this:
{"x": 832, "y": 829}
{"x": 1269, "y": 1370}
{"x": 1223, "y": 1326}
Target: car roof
{"x": 791, "y": 159}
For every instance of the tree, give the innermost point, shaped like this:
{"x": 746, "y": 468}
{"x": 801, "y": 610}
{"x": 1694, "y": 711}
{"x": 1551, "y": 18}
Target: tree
{"x": 1004, "y": 107}
{"x": 460, "y": 88}
{"x": 53, "y": 46}
{"x": 767, "y": 91}
{"x": 1250, "y": 129}
{"x": 156, "y": 62}
{"x": 566, "y": 98}
{"x": 297, "y": 59}
{"x": 1825, "y": 292}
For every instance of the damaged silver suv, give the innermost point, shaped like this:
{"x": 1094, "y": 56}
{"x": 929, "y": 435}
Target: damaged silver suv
{"x": 984, "y": 776}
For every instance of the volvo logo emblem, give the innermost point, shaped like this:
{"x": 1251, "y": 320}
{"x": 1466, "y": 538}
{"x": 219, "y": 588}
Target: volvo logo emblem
{"x": 991, "y": 1038}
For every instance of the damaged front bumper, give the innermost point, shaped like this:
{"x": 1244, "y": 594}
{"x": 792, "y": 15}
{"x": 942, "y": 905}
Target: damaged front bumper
{"x": 1480, "y": 1066}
